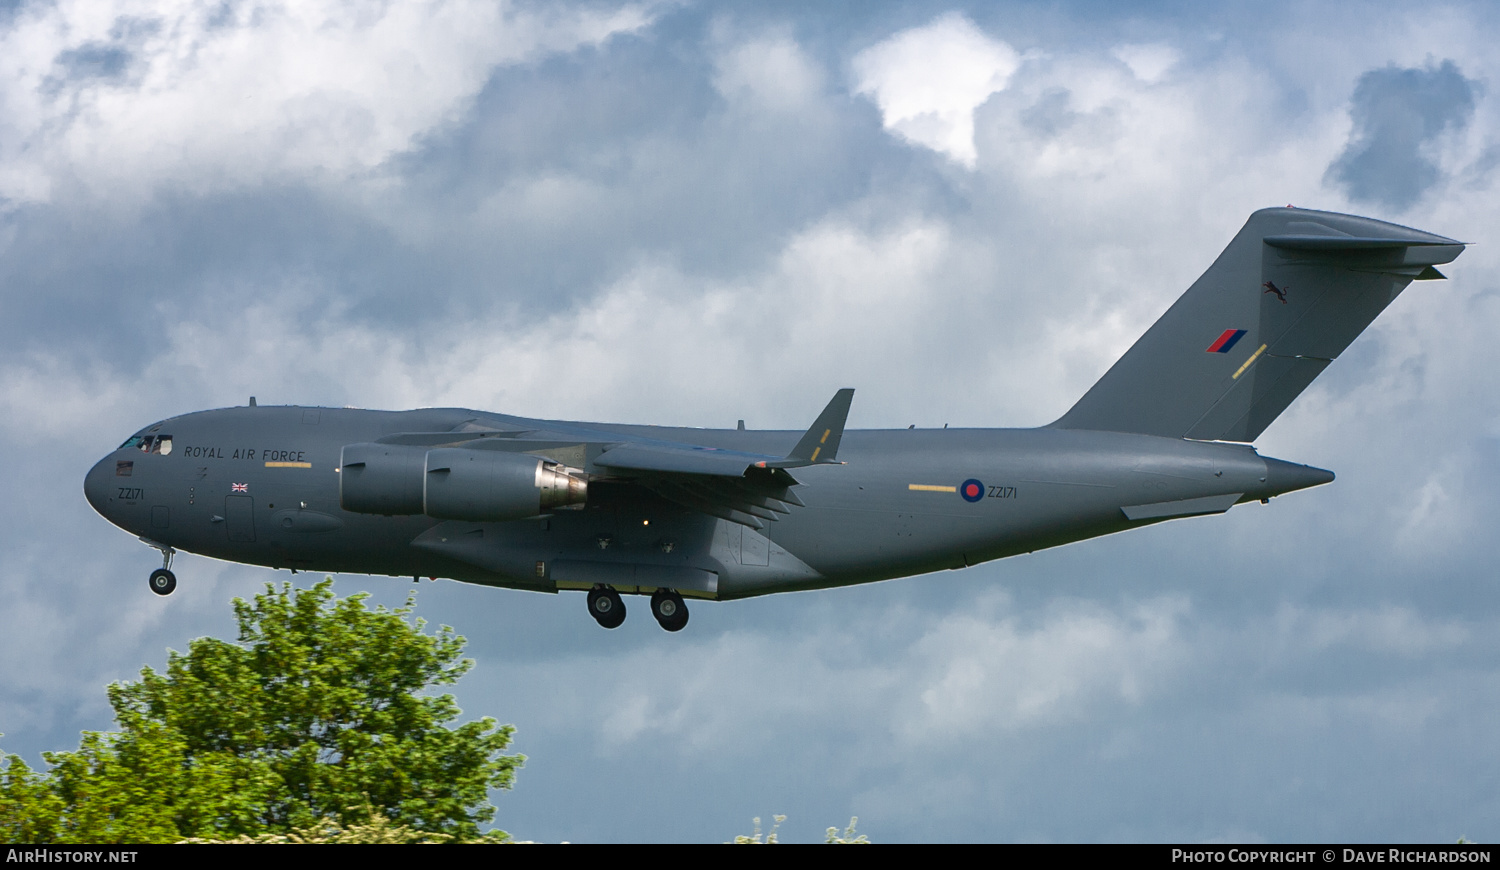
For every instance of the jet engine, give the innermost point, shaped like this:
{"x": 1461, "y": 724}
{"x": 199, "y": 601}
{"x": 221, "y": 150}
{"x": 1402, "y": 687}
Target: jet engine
{"x": 491, "y": 486}
{"x": 381, "y": 478}
{"x": 454, "y": 483}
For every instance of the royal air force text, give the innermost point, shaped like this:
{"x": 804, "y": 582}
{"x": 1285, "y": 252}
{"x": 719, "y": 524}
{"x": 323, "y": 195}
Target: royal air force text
{"x": 244, "y": 453}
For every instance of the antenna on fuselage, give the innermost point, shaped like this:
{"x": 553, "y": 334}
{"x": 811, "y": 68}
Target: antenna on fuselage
{"x": 252, "y": 401}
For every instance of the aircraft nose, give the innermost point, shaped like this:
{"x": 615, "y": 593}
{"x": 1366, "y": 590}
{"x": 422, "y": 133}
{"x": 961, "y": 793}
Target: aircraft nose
{"x": 96, "y": 484}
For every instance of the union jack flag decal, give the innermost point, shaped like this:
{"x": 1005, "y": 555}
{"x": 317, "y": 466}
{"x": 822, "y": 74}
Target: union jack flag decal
{"x": 239, "y": 487}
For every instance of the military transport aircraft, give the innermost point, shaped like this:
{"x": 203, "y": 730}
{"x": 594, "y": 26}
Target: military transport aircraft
{"x": 718, "y": 514}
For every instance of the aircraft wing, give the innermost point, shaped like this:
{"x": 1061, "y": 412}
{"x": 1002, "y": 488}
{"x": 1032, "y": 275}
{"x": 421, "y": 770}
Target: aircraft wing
{"x": 634, "y": 456}
{"x": 748, "y": 488}
{"x": 744, "y": 487}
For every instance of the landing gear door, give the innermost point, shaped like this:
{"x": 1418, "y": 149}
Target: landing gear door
{"x": 239, "y": 516}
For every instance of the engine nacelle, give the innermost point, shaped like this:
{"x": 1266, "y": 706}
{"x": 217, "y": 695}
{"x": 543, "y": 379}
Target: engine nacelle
{"x": 492, "y": 486}
{"x": 381, "y": 478}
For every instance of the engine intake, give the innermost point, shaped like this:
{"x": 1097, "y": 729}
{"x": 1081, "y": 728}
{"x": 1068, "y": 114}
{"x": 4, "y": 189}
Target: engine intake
{"x": 381, "y": 478}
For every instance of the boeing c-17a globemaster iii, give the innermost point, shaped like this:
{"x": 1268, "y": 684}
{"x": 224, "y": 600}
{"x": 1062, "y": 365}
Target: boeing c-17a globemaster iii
{"x": 719, "y": 514}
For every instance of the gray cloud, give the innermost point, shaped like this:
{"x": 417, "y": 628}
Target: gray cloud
{"x": 95, "y": 60}
{"x": 1398, "y": 114}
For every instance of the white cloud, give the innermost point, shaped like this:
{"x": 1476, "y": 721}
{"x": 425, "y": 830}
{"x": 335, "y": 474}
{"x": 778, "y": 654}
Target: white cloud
{"x": 839, "y": 298}
{"x": 770, "y": 72}
{"x": 853, "y": 306}
{"x": 1389, "y": 629}
{"x": 1437, "y": 514}
{"x": 125, "y": 95}
{"x": 928, "y": 81}
{"x": 984, "y": 670}
{"x": 936, "y": 681}
{"x": 983, "y": 675}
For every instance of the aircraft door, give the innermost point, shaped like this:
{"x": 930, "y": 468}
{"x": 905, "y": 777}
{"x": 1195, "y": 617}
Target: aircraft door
{"x": 239, "y": 516}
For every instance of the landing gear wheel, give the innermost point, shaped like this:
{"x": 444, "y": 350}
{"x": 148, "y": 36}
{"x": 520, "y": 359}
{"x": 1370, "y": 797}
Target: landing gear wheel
{"x": 163, "y": 581}
{"x": 606, "y": 607}
{"x": 669, "y": 609}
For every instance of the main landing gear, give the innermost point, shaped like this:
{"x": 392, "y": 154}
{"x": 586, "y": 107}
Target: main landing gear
{"x": 163, "y": 581}
{"x": 668, "y": 608}
{"x": 608, "y": 609}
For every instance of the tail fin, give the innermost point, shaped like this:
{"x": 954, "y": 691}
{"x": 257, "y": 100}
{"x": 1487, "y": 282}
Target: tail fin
{"x": 1292, "y": 290}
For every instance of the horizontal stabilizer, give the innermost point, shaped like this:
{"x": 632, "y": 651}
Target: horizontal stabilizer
{"x": 1296, "y": 242}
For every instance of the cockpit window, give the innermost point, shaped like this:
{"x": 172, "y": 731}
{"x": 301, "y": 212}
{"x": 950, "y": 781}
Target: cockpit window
{"x": 150, "y": 443}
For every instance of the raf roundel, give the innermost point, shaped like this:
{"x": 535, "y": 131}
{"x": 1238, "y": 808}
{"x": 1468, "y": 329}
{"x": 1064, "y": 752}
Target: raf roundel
{"x": 972, "y": 490}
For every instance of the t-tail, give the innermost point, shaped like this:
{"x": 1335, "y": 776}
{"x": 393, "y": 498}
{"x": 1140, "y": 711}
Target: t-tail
{"x": 1292, "y": 290}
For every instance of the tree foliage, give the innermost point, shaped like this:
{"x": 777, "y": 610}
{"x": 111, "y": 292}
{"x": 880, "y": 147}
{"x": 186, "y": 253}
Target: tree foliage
{"x": 378, "y": 830}
{"x": 319, "y": 712}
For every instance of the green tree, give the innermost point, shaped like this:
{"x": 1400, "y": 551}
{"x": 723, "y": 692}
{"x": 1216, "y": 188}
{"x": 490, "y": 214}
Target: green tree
{"x": 320, "y": 711}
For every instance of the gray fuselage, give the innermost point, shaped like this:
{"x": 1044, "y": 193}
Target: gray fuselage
{"x": 260, "y": 485}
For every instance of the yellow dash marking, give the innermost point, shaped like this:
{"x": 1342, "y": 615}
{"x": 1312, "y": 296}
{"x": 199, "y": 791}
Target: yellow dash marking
{"x": 1247, "y": 363}
{"x": 289, "y": 465}
{"x": 816, "y": 451}
{"x": 826, "y": 433}
{"x": 928, "y": 487}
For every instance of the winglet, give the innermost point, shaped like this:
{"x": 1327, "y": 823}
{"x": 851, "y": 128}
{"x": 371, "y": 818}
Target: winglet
{"x": 820, "y": 444}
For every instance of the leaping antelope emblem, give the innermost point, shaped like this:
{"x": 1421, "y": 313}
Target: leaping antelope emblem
{"x": 1279, "y": 291}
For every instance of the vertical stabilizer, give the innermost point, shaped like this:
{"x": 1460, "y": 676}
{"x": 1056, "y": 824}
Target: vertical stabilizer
{"x": 1291, "y": 291}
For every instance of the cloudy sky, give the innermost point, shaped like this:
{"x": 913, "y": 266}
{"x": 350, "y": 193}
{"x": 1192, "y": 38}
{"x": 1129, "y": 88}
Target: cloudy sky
{"x": 691, "y": 213}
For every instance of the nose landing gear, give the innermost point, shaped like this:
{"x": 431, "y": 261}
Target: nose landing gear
{"x": 162, "y": 580}
{"x": 606, "y": 607}
{"x": 669, "y": 609}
